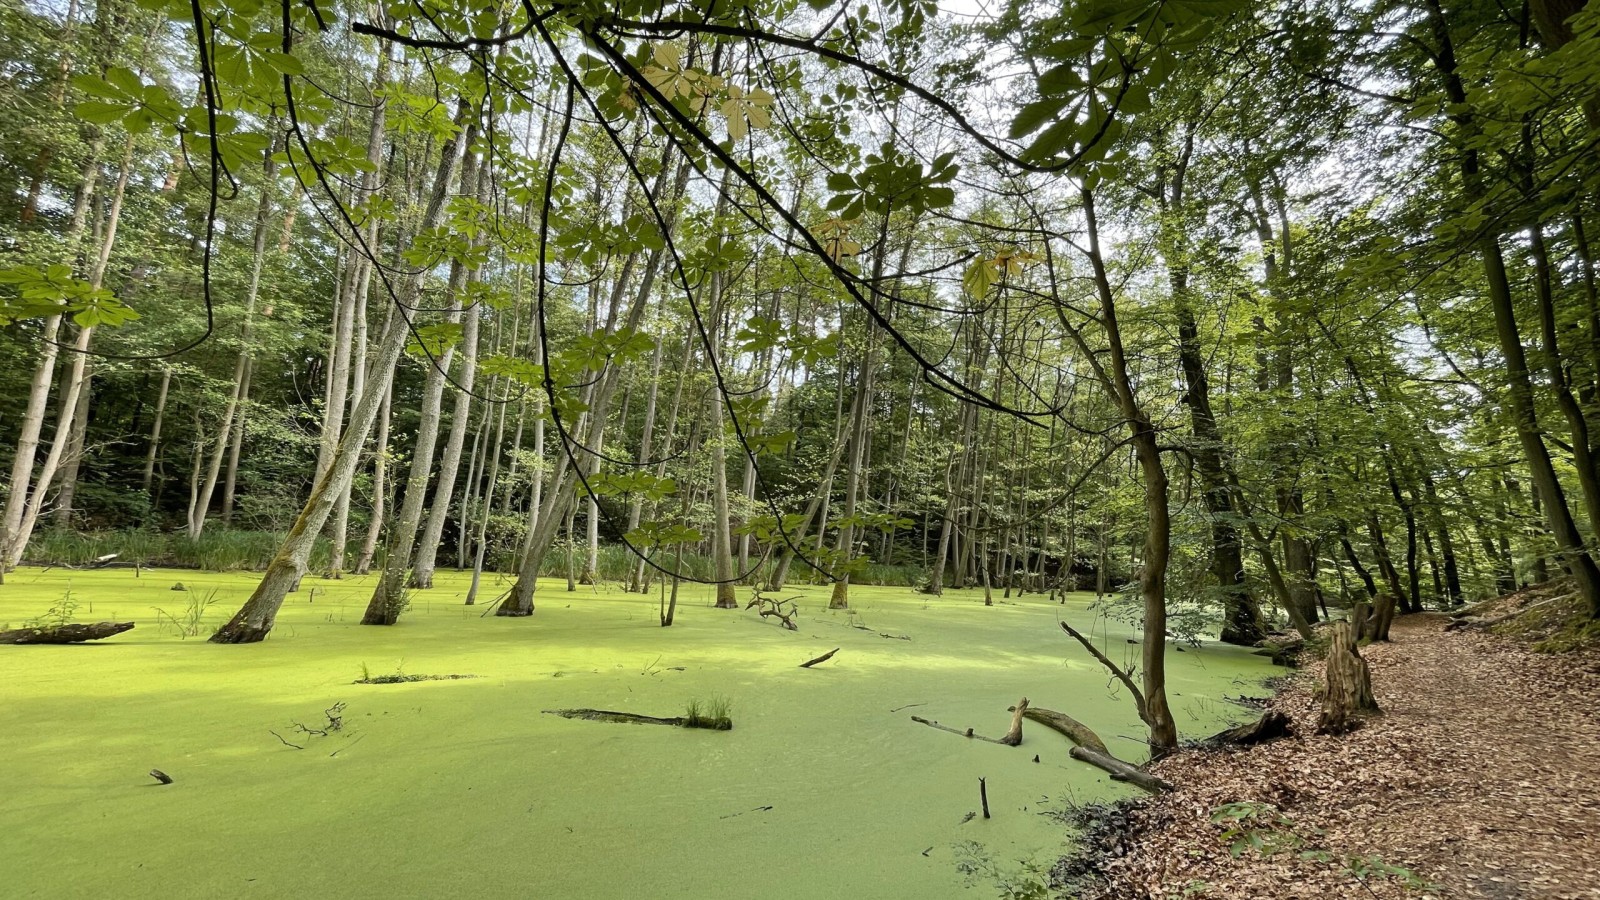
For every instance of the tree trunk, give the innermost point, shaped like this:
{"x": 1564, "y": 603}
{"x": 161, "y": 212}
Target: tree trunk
{"x": 255, "y": 619}
{"x": 380, "y": 476}
{"x": 155, "y": 431}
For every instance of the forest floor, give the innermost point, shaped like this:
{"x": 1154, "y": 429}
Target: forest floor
{"x": 1478, "y": 781}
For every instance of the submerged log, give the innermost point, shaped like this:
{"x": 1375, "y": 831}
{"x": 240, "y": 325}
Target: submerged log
{"x": 1092, "y": 750}
{"x": 1122, "y": 771}
{"x": 969, "y": 733}
{"x": 1075, "y": 731}
{"x": 821, "y": 659}
{"x": 64, "y": 634}
{"x": 1347, "y": 693}
{"x": 721, "y": 723}
{"x": 1271, "y": 726}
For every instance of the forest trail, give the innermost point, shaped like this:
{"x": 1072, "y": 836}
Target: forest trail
{"x": 1479, "y": 779}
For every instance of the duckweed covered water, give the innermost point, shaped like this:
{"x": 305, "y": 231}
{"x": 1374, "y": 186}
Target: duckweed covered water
{"x": 824, "y": 788}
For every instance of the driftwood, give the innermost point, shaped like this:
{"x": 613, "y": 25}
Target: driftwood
{"x": 1271, "y": 726}
{"x": 770, "y": 608}
{"x": 1075, "y": 731}
{"x": 1124, "y": 677}
{"x": 1092, "y": 750}
{"x": 64, "y": 634}
{"x": 821, "y": 659}
{"x": 1347, "y": 693}
{"x": 607, "y": 715}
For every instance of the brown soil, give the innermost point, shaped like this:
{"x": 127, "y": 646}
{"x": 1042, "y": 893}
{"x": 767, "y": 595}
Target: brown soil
{"x": 1481, "y": 779}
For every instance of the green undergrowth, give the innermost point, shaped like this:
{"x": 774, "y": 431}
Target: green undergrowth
{"x": 286, "y": 775}
{"x": 222, "y": 549}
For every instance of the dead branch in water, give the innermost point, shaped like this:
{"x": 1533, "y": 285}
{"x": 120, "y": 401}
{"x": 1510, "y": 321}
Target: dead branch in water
{"x": 821, "y": 659}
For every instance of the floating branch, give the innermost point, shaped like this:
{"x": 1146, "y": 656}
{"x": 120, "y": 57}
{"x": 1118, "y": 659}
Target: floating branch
{"x": 1013, "y": 736}
{"x": 770, "y": 608}
{"x": 821, "y": 659}
{"x": 714, "y": 723}
{"x": 964, "y": 733}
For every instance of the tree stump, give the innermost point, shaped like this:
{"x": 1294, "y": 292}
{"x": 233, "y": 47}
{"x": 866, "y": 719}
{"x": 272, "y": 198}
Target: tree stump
{"x": 1382, "y": 616}
{"x": 1271, "y": 726}
{"x": 1360, "y": 619}
{"x": 1347, "y": 695}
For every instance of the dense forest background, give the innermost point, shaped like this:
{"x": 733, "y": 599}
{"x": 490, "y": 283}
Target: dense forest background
{"x": 1247, "y": 311}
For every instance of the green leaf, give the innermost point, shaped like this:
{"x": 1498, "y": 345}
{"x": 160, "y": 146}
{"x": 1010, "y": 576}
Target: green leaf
{"x": 1034, "y": 115}
{"x": 100, "y": 112}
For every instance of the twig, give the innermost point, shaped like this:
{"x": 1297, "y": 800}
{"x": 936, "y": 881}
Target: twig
{"x": 286, "y": 743}
{"x": 983, "y": 795}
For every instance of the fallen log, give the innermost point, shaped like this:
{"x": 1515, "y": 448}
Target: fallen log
{"x": 1125, "y": 772}
{"x": 821, "y": 659}
{"x": 1284, "y": 650}
{"x": 606, "y": 715}
{"x": 1271, "y": 726}
{"x": 64, "y": 634}
{"x": 1491, "y": 621}
{"x": 1092, "y": 750}
{"x": 1075, "y": 731}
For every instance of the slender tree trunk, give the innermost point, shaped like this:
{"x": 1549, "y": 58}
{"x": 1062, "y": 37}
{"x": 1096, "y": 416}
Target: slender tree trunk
{"x": 77, "y": 382}
{"x": 155, "y": 430}
{"x": 241, "y": 370}
{"x": 380, "y": 477}
{"x": 256, "y": 618}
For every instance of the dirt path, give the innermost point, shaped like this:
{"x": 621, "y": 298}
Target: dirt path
{"x": 1481, "y": 779}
